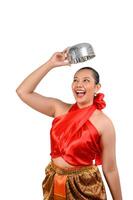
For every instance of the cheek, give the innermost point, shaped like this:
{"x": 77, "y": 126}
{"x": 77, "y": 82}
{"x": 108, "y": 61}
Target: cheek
{"x": 90, "y": 87}
{"x": 72, "y": 86}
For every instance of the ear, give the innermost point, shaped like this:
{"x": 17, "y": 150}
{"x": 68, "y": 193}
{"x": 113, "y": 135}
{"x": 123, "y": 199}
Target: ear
{"x": 97, "y": 88}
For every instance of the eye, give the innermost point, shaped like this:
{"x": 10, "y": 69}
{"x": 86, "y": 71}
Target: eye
{"x": 74, "y": 80}
{"x": 86, "y": 80}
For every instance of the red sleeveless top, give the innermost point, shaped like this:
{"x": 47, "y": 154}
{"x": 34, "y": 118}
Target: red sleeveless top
{"x": 74, "y": 137}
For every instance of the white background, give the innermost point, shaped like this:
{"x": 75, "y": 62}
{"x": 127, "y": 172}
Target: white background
{"x": 31, "y": 31}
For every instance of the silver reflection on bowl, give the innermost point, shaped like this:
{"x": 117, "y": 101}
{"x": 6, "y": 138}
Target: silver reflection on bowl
{"x": 80, "y": 53}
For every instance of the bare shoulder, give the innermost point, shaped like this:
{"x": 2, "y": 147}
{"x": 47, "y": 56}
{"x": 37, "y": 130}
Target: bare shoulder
{"x": 104, "y": 117}
{"x": 107, "y": 124}
{"x": 103, "y": 122}
{"x": 61, "y": 108}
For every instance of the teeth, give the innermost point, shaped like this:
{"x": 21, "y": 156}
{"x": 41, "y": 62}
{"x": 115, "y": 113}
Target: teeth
{"x": 80, "y": 92}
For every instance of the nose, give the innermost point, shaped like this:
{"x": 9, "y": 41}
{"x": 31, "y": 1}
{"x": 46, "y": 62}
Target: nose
{"x": 79, "y": 84}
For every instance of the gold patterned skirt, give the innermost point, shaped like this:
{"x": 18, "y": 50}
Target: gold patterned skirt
{"x": 76, "y": 183}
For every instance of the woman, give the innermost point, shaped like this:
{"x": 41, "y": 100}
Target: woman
{"x": 80, "y": 134}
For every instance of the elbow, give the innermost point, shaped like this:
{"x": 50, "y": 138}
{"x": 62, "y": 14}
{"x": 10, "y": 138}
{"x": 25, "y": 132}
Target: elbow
{"x": 22, "y": 91}
{"x": 19, "y": 92}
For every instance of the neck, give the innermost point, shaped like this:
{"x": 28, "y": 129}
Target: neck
{"x": 84, "y": 105}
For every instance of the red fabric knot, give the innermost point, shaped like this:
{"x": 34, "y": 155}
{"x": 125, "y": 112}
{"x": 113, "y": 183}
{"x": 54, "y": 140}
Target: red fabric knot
{"x": 99, "y": 102}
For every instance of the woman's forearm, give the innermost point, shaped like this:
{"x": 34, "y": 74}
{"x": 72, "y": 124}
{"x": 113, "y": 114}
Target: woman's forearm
{"x": 113, "y": 182}
{"x": 29, "y": 84}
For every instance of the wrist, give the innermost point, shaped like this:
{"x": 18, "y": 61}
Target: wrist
{"x": 50, "y": 64}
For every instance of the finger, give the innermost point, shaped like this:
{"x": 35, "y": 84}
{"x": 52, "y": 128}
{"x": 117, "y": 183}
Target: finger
{"x": 65, "y": 51}
{"x": 66, "y": 62}
{"x": 64, "y": 54}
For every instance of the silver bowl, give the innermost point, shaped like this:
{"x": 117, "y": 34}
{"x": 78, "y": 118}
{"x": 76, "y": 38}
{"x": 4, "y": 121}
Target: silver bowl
{"x": 80, "y": 53}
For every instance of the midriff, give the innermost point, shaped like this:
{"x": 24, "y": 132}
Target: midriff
{"x": 59, "y": 161}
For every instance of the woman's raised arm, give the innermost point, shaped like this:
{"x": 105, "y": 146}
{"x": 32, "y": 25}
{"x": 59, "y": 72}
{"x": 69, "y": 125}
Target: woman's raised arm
{"x": 45, "y": 105}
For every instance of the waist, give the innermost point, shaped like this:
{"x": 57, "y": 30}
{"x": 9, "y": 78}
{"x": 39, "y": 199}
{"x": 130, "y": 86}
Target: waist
{"x": 71, "y": 170}
{"x": 72, "y": 160}
{"x": 60, "y": 162}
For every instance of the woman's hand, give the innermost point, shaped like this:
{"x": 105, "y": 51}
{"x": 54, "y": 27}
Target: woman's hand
{"x": 59, "y": 59}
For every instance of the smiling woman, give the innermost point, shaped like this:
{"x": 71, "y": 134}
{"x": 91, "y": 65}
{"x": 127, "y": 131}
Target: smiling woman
{"x": 85, "y": 87}
{"x": 82, "y": 136}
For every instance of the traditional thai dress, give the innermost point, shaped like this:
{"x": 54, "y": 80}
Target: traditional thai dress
{"x": 77, "y": 141}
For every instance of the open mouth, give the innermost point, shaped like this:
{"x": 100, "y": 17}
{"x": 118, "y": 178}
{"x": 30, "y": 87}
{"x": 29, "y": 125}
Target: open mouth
{"x": 80, "y": 93}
